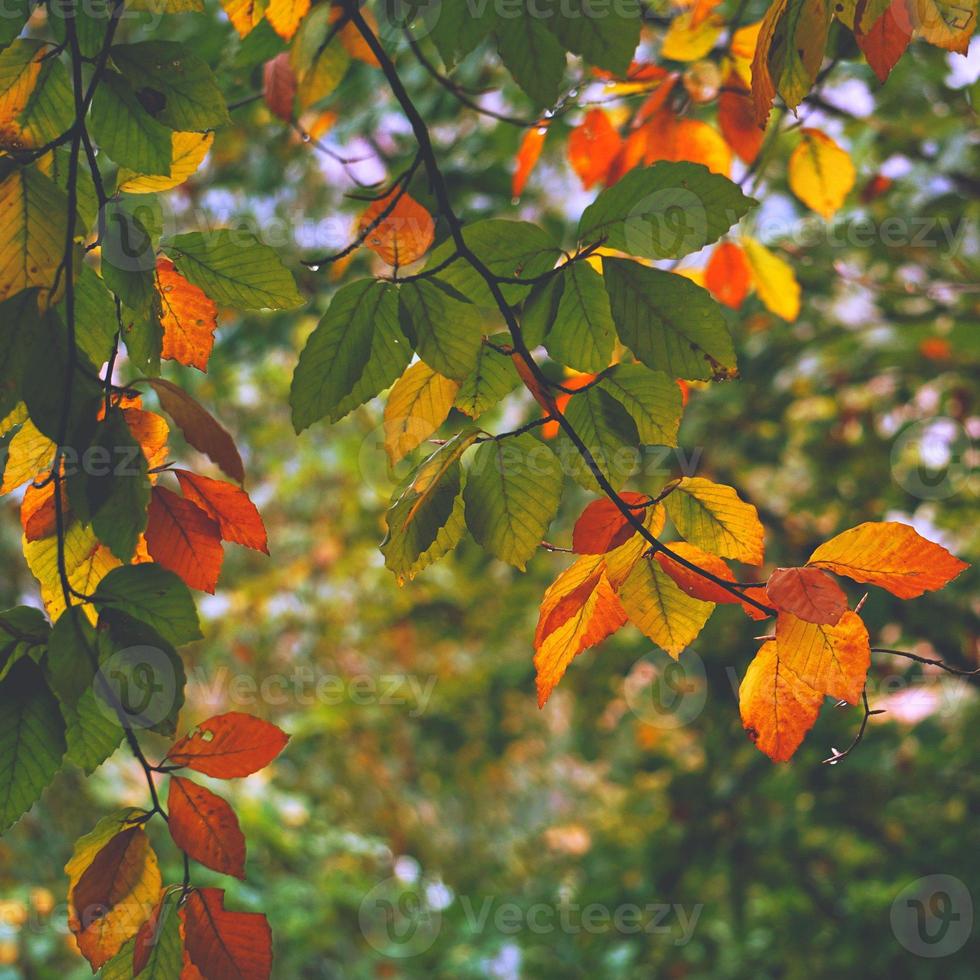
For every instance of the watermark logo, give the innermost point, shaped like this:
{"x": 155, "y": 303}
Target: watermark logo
{"x": 933, "y": 459}
{"x": 933, "y": 916}
{"x": 140, "y": 683}
{"x": 664, "y": 692}
{"x": 397, "y": 919}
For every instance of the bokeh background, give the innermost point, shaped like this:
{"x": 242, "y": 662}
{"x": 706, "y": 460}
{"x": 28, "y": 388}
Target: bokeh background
{"x": 426, "y": 819}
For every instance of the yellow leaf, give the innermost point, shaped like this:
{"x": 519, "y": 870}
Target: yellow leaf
{"x": 776, "y": 706}
{"x": 833, "y": 660}
{"x": 33, "y": 225}
{"x": 820, "y": 172}
{"x": 244, "y": 14}
{"x": 661, "y": 609}
{"x": 419, "y": 402}
{"x": 775, "y": 281}
{"x": 713, "y": 517}
{"x": 890, "y": 555}
{"x": 20, "y": 66}
{"x": 29, "y": 457}
{"x": 742, "y": 50}
{"x": 687, "y": 40}
{"x": 285, "y": 16}
{"x": 86, "y": 560}
{"x": 16, "y": 415}
{"x": 945, "y": 24}
{"x": 188, "y": 151}
{"x": 114, "y": 882}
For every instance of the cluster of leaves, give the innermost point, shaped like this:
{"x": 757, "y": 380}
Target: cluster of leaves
{"x": 92, "y": 130}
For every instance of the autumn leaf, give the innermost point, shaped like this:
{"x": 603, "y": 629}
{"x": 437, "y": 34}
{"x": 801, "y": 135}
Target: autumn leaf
{"x": 187, "y": 152}
{"x": 188, "y": 318}
{"x": 601, "y": 527}
{"x": 714, "y": 517}
{"x": 158, "y": 945}
{"x": 820, "y": 173}
{"x": 418, "y": 403}
{"x": 728, "y": 275}
{"x": 777, "y": 707}
{"x": 833, "y": 660}
{"x": 229, "y": 746}
{"x": 691, "y": 36}
{"x": 114, "y": 882}
{"x": 182, "y": 537}
{"x": 807, "y": 593}
{"x": 592, "y": 147}
{"x": 890, "y": 555}
{"x": 205, "y": 827}
{"x": 736, "y": 119}
{"x": 675, "y": 138}
{"x": 279, "y": 86}
{"x": 285, "y": 16}
{"x": 404, "y": 234}
{"x": 775, "y": 281}
{"x": 199, "y": 427}
{"x": 527, "y": 157}
{"x": 226, "y": 945}
{"x": 30, "y": 455}
{"x": 238, "y": 519}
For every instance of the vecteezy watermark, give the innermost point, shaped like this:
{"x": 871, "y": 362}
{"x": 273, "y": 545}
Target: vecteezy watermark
{"x": 933, "y": 916}
{"x": 664, "y": 692}
{"x": 138, "y": 683}
{"x": 306, "y": 686}
{"x": 403, "y": 918}
{"x": 934, "y": 459}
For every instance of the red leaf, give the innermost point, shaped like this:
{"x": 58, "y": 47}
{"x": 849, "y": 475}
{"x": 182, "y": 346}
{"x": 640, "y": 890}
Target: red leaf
{"x": 593, "y": 147}
{"x": 807, "y": 593}
{"x": 229, "y": 745}
{"x": 226, "y": 945}
{"x": 237, "y": 517}
{"x": 736, "y": 119}
{"x": 886, "y": 40}
{"x": 602, "y": 526}
{"x": 180, "y": 536}
{"x": 728, "y": 275}
{"x": 205, "y": 827}
{"x": 279, "y": 86}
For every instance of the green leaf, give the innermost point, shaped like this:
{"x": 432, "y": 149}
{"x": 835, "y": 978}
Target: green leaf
{"x": 154, "y": 596}
{"x": 32, "y": 740}
{"x": 420, "y": 521}
{"x": 166, "y": 959}
{"x": 73, "y": 649}
{"x": 447, "y": 332}
{"x": 508, "y": 249}
{"x": 493, "y": 377}
{"x": 540, "y": 310}
{"x": 532, "y": 55}
{"x": 126, "y": 131}
{"x": 665, "y": 211}
{"x": 668, "y": 322}
{"x": 17, "y": 12}
{"x": 235, "y": 269}
{"x": 95, "y": 316}
{"x": 457, "y": 28}
{"x": 91, "y": 732}
{"x": 175, "y": 86}
{"x": 605, "y": 35}
{"x": 24, "y": 632}
{"x": 129, "y": 258}
{"x": 115, "y": 484}
{"x": 583, "y": 333}
{"x": 49, "y": 109}
{"x": 608, "y": 433}
{"x": 336, "y": 355}
{"x": 19, "y": 320}
{"x": 513, "y": 489}
{"x": 652, "y": 399}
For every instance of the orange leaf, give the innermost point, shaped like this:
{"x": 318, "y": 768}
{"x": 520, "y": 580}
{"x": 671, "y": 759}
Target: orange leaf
{"x": 285, "y": 16}
{"x": 736, "y": 118}
{"x": 833, "y": 660}
{"x": 37, "y": 511}
{"x": 151, "y": 432}
{"x": 807, "y": 593}
{"x": 189, "y": 318}
{"x": 886, "y": 39}
{"x": 237, "y": 517}
{"x": 198, "y": 427}
{"x": 180, "y": 536}
{"x": 404, "y": 235}
{"x": 527, "y": 157}
{"x": 776, "y": 706}
{"x": 279, "y": 86}
{"x": 602, "y": 526}
{"x": 351, "y": 38}
{"x": 676, "y": 139}
{"x": 697, "y": 585}
{"x": 226, "y": 945}
{"x": 592, "y": 147}
{"x": 205, "y": 827}
{"x": 228, "y": 746}
{"x": 890, "y": 555}
{"x": 728, "y": 275}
